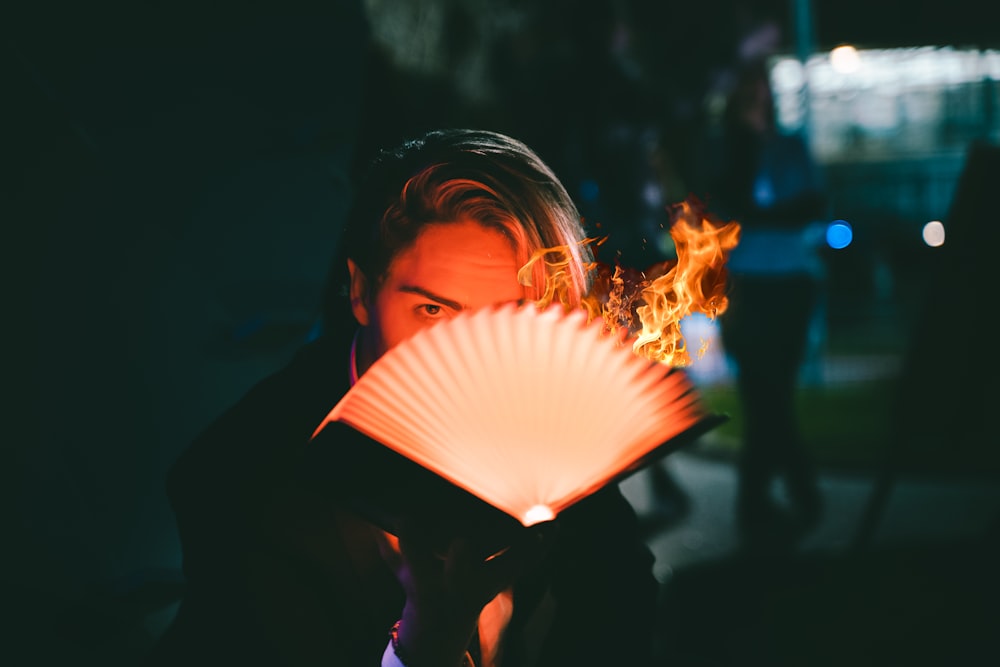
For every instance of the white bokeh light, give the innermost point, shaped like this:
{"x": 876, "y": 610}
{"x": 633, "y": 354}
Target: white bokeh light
{"x": 845, "y": 59}
{"x": 933, "y": 233}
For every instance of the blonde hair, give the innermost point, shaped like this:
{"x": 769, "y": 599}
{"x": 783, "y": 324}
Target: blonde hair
{"x": 458, "y": 175}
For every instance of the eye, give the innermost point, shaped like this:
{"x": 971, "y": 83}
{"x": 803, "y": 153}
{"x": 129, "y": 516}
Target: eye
{"x": 430, "y": 309}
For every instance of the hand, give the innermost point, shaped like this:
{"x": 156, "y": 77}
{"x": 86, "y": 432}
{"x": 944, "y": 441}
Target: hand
{"x": 445, "y": 592}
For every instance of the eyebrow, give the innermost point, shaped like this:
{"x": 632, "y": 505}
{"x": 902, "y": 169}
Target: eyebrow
{"x": 413, "y": 289}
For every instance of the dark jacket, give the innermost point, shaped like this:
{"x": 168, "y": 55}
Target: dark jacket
{"x": 277, "y": 575}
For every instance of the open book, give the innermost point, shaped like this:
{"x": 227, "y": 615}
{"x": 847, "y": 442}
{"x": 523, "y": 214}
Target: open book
{"x": 500, "y": 418}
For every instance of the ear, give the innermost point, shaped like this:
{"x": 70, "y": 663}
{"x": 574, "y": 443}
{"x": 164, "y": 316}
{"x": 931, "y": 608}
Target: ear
{"x": 358, "y": 293}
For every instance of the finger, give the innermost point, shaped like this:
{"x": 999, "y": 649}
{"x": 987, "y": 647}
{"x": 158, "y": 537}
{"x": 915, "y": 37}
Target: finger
{"x": 418, "y": 547}
{"x": 530, "y": 548}
{"x": 499, "y": 570}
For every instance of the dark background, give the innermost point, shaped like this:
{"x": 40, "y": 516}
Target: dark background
{"x": 173, "y": 180}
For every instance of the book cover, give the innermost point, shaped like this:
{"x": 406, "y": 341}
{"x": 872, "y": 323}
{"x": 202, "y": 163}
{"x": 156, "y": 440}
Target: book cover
{"x": 498, "y": 419}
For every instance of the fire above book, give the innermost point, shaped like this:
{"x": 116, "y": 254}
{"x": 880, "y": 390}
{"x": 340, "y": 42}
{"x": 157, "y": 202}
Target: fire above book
{"x": 498, "y": 419}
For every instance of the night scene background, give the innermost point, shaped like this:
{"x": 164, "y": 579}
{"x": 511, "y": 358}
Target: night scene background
{"x": 174, "y": 178}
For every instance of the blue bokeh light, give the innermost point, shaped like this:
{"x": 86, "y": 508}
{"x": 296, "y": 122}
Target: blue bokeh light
{"x": 839, "y": 234}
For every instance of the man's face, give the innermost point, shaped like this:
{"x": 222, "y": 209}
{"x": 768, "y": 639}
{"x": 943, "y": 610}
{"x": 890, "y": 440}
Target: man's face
{"x": 450, "y": 268}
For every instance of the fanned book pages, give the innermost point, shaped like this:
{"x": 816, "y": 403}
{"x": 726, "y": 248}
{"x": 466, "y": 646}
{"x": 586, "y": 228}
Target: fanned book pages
{"x": 527, "y": 411}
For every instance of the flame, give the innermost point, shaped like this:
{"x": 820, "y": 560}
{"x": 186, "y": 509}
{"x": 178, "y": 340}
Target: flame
{"x": 649, "y": 305}
{"x": 558, "y": 285}
{"x": 696, "y": 283}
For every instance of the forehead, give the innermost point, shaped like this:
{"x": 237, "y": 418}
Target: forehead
{"x": 464, "y": 261}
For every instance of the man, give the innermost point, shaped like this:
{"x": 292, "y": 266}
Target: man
{"x": 279, "y": 575}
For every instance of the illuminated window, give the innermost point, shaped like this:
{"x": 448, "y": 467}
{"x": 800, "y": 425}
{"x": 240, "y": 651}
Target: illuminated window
{"x": 872, "y": 104}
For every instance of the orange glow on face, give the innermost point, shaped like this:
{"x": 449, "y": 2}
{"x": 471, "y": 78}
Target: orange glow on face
{"x": 451, "y": 267}
{"x": 648, "y": 305}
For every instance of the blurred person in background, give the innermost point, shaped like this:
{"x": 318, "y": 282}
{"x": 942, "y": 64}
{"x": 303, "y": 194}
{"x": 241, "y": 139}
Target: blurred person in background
{"x": 769, "y": 183}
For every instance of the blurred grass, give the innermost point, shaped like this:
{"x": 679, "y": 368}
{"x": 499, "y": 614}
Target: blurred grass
{"x": 844, "y": 426}
{"x": 846, "y": 418}
{"x": 847, "y": 426}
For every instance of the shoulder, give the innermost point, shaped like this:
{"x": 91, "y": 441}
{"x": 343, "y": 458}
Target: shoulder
{"x": 267, "y": 426}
